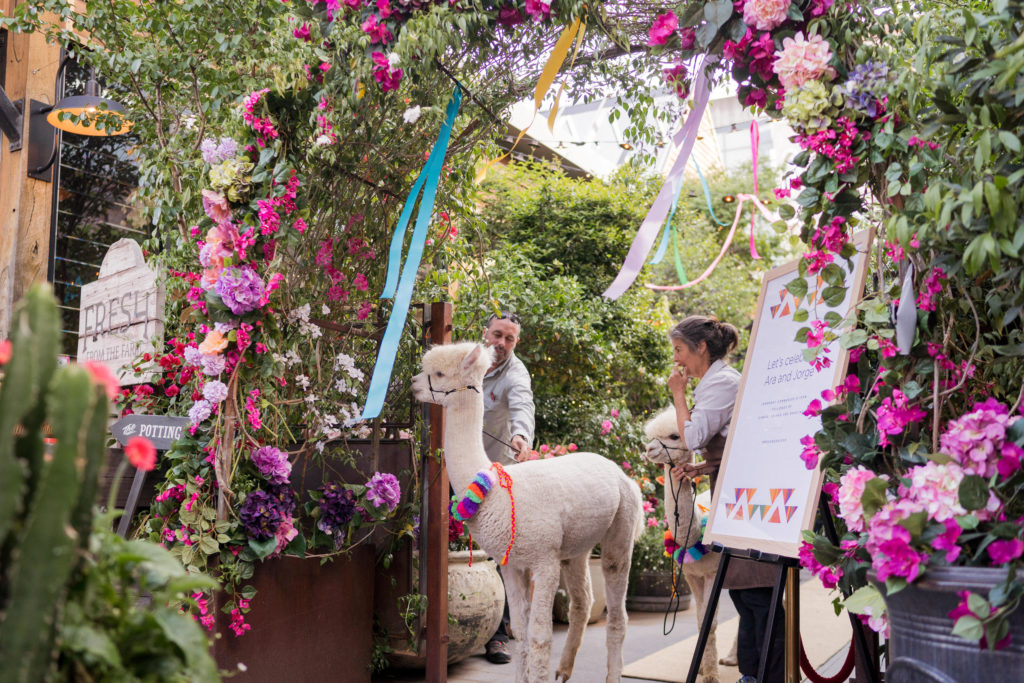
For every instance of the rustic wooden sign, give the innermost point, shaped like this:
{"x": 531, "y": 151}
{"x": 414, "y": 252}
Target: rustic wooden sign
{"x": 162, "y": 430}
{"x": 122, "y": 312}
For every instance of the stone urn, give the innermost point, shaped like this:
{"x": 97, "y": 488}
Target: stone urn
{"x": 651, "y": 591}
{"x": 476, "y": 602}
{"x": 561, "y": 609}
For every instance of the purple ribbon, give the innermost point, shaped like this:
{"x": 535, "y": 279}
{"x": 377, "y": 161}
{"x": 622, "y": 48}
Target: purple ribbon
{"x": 655, "y": 218}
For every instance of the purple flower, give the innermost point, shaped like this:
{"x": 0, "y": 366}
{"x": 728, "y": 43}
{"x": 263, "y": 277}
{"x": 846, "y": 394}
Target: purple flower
{"x": 273, "y": 464}
{"x": 383, "y": 489}
{"x": 864, "y": 88}
{"x": 213, "y": 364}
{"x": 263, "y": 511}
{"x": 337, "y": 506}
{"x": 215, "y": 151}
{"x": 978, "y": 441}
{"x": 199, "y": 411}
{"x": 215, "y": 391}
{"x": 240, "y": 289}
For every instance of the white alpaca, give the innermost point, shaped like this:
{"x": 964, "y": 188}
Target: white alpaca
{"x": 564, "y": 506}
{"x": 665, "y": 447}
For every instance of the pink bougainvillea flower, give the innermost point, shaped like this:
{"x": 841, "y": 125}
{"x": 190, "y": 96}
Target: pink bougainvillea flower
{"x": 509, "y": 16}
{"x": 606, "y": 426}
{"x": 538, "y": 9}
{"x": 376, "y": 29}
{"x": 687, "y": 37}
{"x": 810, "y": 453}
{"x": 676, "y": 77}
{"x": 894, "y": 415}
{"x": 5, "y": 351}
{"x": 103, "y": 376}
{"x": 803, "y": 59}
{"x": 1004, "y": 551}
{"x": 141, "y": 453}
{"x": 662, "y": 28}
{"x": 948, "y": 540}
{"x": 764, "y": 15}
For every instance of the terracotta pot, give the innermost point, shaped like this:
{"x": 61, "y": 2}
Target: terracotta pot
{"x": 476, "y": 601}
{"x": 921, "y": 645}
{"x": 561, "y": 610}
{"x": 651, "y": 591}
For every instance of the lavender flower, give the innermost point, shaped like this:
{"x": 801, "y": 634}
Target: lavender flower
{"x": 215, "y": 391}
{"x": 383, "y": 489}
{"x": 273, "y": 464}
{"x": 863, "y": 87}
{"x": 213, "y": 364}
{"x": 337, "y": 506}
{"x": 215, "y": 152}
{"x": 263, "y": 512}
{"x": 240, "y": 289}
{"x": 199, "y": 411}
{"x": 193, "y": 356}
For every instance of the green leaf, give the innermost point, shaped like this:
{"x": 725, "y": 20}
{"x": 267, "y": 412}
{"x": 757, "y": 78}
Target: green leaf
{"x": 968, "y": 628}
{"x": 800, "y": 315}
{"x": 973, "y": 492}
{"x": 873, "y": 497}
{"x": 833, "y": 296}
{"x": 797, "y": 287}
{"x": 939, "y": 458}
{"x": 93, "y": 642}
{"x": 263, "y": 548}
{"x": 209, "y": 546}
{"x": 833, "y": 275}
{"x": 184, "y": 632}
{"x": 717, "y": 13}
{"x": 865, "y": 599}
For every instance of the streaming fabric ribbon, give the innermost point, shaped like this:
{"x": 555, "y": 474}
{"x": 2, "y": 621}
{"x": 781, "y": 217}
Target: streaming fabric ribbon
{"x": 725, "y": 247}
{"x": 648, "y": 232}
{"x": 755, "y": 144}
{"x": 574, "y": 31}
{"x": 428, "y": 180}
{"x": 663, "y": 246}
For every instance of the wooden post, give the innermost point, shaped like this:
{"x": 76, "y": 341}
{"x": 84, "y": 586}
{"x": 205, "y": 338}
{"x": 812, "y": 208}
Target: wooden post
{"x": 792, "y": 601}
{"x": 437, "y": 521}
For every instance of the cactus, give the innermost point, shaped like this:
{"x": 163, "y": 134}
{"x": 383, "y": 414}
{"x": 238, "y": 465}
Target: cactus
{"x": 42, "y": 552}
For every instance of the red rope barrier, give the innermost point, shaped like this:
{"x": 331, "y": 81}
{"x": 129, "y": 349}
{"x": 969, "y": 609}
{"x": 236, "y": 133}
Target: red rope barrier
{"x": 815, "y": 677}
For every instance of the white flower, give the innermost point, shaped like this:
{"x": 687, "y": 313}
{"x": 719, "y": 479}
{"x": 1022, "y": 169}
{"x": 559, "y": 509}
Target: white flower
{"x": 325, "y": 309}
{"x": 302, "y": 381}
{"x": 311, "y": 399}
{"x": 394, "y": 60}
{"x": 323, "y": 141}
{"x": 301, "y": 313}
{"x": 412, "y": 114}
{"x": 342, "y": 387}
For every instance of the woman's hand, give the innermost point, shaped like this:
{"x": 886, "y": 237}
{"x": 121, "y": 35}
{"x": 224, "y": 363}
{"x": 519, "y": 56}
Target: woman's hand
{"x": 678, "y": 379}
{"x": 688, "y": 470}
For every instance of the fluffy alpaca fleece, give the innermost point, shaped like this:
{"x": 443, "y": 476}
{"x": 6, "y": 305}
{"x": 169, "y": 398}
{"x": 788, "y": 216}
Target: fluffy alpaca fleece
{"x": 564, "y": 506}
{"x": 666, "y": 447}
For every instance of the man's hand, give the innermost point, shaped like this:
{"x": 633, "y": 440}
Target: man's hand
{"x": 521, "y": 447}
{"x": 688, "y": 470}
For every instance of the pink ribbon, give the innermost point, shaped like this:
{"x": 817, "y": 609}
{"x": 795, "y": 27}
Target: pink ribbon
{"x": 755, "y": 144}
{"x": 741, "y": 198}
{"x": 648, "y": 232}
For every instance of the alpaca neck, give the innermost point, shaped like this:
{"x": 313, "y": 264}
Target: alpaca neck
{"x": 679, "y": 498}
{"x": 463, "y": 439}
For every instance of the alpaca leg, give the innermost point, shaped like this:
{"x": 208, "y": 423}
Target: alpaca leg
{"x": 545, "y": 583}
{"x": 731, "y": 659}
{"x": 615, "y": 566}
{"x": 517, "y": 588}
{"x": 581, "y": 597}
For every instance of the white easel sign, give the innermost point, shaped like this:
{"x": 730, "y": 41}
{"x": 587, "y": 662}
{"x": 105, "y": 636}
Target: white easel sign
{"x": 766, "y": 496}
{"x": 122, "y": 312}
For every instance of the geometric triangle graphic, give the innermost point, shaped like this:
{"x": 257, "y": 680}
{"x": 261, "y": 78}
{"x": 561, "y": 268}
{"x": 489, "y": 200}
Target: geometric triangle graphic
{"x": 774, "y": 493}
{"x": 787, "y": 493}
{"x": 790, "y": 509}
{"x": 775, "y": 519}
{"x": 751, "y": 509}
{"x": 739, "y": 492}
{"x": 750, "y": 493}
{"x": 738, "y": 513}
{"x": 728, "y": 509}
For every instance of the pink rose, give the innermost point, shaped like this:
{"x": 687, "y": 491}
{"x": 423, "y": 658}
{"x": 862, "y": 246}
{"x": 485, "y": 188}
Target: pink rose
{"x": 764, "y": 15}
{"x": 803, "y": 59}
{"x": 216, "y": 207}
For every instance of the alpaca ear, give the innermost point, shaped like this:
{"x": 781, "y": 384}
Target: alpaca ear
{"x": 471, "y": 358}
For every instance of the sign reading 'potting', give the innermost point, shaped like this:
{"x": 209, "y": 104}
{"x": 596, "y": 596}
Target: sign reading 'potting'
{"x": 122, "y": 312}
{"x": 162, "y": 430}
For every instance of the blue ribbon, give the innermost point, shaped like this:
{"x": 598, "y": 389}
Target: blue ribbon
{"x": 428, "y": 179}
{"x": 707, "y": 194}
{"x": 663, "y": 247}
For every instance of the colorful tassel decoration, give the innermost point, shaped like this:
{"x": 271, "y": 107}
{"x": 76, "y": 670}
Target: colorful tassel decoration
{"x": 474, "y": 495}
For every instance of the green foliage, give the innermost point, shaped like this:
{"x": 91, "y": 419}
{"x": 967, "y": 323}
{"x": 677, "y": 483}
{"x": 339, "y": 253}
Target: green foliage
{"x": 70, "y": 590}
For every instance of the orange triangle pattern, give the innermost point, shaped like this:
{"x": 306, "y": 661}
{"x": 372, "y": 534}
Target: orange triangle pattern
{"x": 750, "y": 493}
{"x": 774, "y": 493}
{"x": 790, "y": 509}
{"x": 775, "y": 519}
{"x": 787, "y": 493}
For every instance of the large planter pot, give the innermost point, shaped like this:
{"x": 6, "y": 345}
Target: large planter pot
{"x": 561, "y": 609}
{"x": 923, "y": 649}
{"x": 476, "y": 601}
{"x": 651, "y": 591}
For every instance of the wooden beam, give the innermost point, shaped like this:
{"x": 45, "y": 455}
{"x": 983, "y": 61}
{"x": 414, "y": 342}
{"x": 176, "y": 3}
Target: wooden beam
{"x": 437, "y": 521}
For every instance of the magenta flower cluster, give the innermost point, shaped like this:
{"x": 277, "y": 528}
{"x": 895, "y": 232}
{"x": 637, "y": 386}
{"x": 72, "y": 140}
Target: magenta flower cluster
{"x": 241, "y": 289}
{"x": 894, "y": 414}
{"x": 978, "y": 441}
{"x": 383, "y": 489}
{"x": 273, "y": 464}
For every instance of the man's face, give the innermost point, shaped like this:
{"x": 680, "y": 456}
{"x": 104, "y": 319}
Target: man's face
{"x": 502, "y": 335}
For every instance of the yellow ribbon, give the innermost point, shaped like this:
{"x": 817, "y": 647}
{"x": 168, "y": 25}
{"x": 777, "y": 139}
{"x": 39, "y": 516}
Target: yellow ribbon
{"x": 547, "y": 77}
{"x": 561, "y": 87}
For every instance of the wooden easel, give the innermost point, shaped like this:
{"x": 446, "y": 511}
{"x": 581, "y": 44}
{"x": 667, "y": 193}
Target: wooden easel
{"x": 789, "y": 569}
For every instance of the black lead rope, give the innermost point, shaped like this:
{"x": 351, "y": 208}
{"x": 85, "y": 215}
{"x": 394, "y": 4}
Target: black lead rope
{"x": 677, "y": 567}
{"x": 486, "y": 433}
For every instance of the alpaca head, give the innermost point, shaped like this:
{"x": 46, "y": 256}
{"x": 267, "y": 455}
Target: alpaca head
{"x": 665, "y": 446}
{"x": 450, "y": 369}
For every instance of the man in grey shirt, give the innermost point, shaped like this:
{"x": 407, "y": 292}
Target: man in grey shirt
{"x": 508, "y": 421}
{"x": 508, "y": 398}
